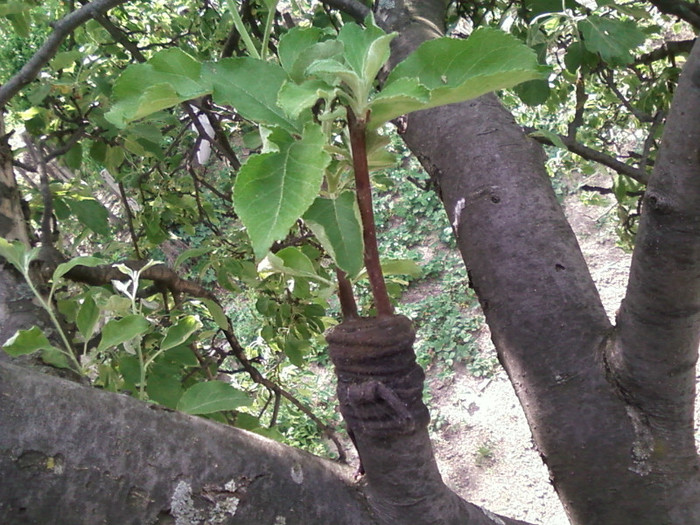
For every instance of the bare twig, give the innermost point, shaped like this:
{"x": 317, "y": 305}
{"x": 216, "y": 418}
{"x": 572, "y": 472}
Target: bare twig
{"x": 46, "y": 52}
{"x": 355, "y": 9}
{"x": 256, "y": 376}
{"x": 587, "y": 153}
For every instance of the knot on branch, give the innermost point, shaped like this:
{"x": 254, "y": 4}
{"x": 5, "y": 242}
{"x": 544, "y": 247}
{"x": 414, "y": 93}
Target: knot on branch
{"x": 380, "y": 386}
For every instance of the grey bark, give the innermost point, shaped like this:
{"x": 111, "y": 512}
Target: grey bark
{"x": 74, "y": 455}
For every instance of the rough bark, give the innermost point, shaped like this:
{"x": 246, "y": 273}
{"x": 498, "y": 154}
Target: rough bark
{"x": 74, "y": 455}
{"x": 549, "y": 327}
{"x": 380, "y": 390}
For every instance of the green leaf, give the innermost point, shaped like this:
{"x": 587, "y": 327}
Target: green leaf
{"x": 17, "y": 254}
{"x": 63, "y": 268}
{"x": 217, "y": 313}
{"x": 553, "y": 137}
{"x": 65, "y": 59}
{"x": 251, "y": 86}
{"x": 13, "y": 8}
{"x": 164, "y": 388}
{"x": 191, "y": 252}
{"x": 87, "y": 317}
{"x": 396, "y": 267}
{"x": 181, "y": 355}
{"x": 533, "y": 92}
{"x": 300, "y": 47}
{"x": 295, "y": 98}
{"x": 294, "y": 350}
{"x": 211, "y": 396}
{"x": 336, "y": 224}
{"x": 54, "y": 357}
{"x": 290, "y": 261}
{"x": 612, "y": 39}
{"x": 366, "y": 49}
{"x": 91, "y": 214}
{"x": 26, "y": 341}
{"x": 178, "y": 333}
{"x": 458, "y": 70}
{"x": 577, "y": 55}
{"x": 74, "y": 157}
{"x": 118, "y": 331}
{"x": 171, "y": 76}
{"x": 273, "y": 190}
{"x": 400, "y": 97}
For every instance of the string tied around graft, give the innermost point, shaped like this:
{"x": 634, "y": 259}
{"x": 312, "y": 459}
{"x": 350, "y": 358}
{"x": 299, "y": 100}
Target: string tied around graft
{"x": 380, "y": 385}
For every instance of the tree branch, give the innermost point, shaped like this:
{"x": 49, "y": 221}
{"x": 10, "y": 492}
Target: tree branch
{"x": 353, "y": 8}
{"x": 596, "y": 156}
{"x": 668, "y": 49}
{"x": 683, "y": 10}
{"x": 46, "y": 52}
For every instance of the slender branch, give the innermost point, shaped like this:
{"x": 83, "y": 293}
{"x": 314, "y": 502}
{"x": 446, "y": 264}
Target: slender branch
{"x": 46, "y": 52}
{"x": 347, "y": 300}
{"x": 596, "y": 156}
{"x": 581, "y": 97}
{"x": 608, "y": 78}
{"x": 257, "y": 377}
{"x": 683, "y": 10}
{"x": 353, "y": 8}
{"x": 130, "y": 220}
{"x": 364, "y": 201}
{"x": 669, "y": 49}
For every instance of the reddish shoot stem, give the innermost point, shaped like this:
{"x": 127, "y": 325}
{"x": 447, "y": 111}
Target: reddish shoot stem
{"x": 347, "y": 300}
{"x": 357, "y": 128}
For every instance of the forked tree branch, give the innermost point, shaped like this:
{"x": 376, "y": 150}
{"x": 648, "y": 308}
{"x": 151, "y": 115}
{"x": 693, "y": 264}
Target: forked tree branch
{"x": 46, "y": 52}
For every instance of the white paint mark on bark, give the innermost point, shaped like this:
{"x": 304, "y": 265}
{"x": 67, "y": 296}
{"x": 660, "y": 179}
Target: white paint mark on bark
{"x": 643, "y": 445}
{"x": 280, "y": 520}
{"x": 457, "y": 215}
{"x": 297, "y": 474}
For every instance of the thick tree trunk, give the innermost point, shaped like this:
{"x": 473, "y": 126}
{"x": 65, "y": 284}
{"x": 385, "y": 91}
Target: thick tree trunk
{"x": 74, "y": 455}
{"x": 549, "y": 327}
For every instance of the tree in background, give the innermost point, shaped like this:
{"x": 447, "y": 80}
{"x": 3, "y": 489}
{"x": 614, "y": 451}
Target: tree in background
{"x": 110, "y": 122}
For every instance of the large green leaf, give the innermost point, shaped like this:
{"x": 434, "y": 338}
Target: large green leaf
{"x": 170, "y": 77}
{"x": 251, "y": 86}
{"x": 300, "y": 47}
{"x": 290, "y": 261}
{"x": 458, "y": 70}
{"x": 180, "y": 332}
{"x": 87, "y": 317}
{"x": 27, "y": 341}
{"x": 211, "y": 396}
{"x": 273, "y": 190}
{"x": 118, "y": 331}
{"x": 91, "y": 214}
{"x": 611, "y": 38}
{"x": 336, "y": 223}
{"x": 366, "y": 49}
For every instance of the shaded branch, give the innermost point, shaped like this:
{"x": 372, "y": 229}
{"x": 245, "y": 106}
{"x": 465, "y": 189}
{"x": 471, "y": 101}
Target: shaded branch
{"x": 353, "y": 8}
{"x": 669, "y": 49}
{"x": 46, "y": 52}
{"x": 159, "y": 273}
{"x": 683, "y": 10}
{"x": 257, "y": 377}
{"x": 597, "y": 156}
